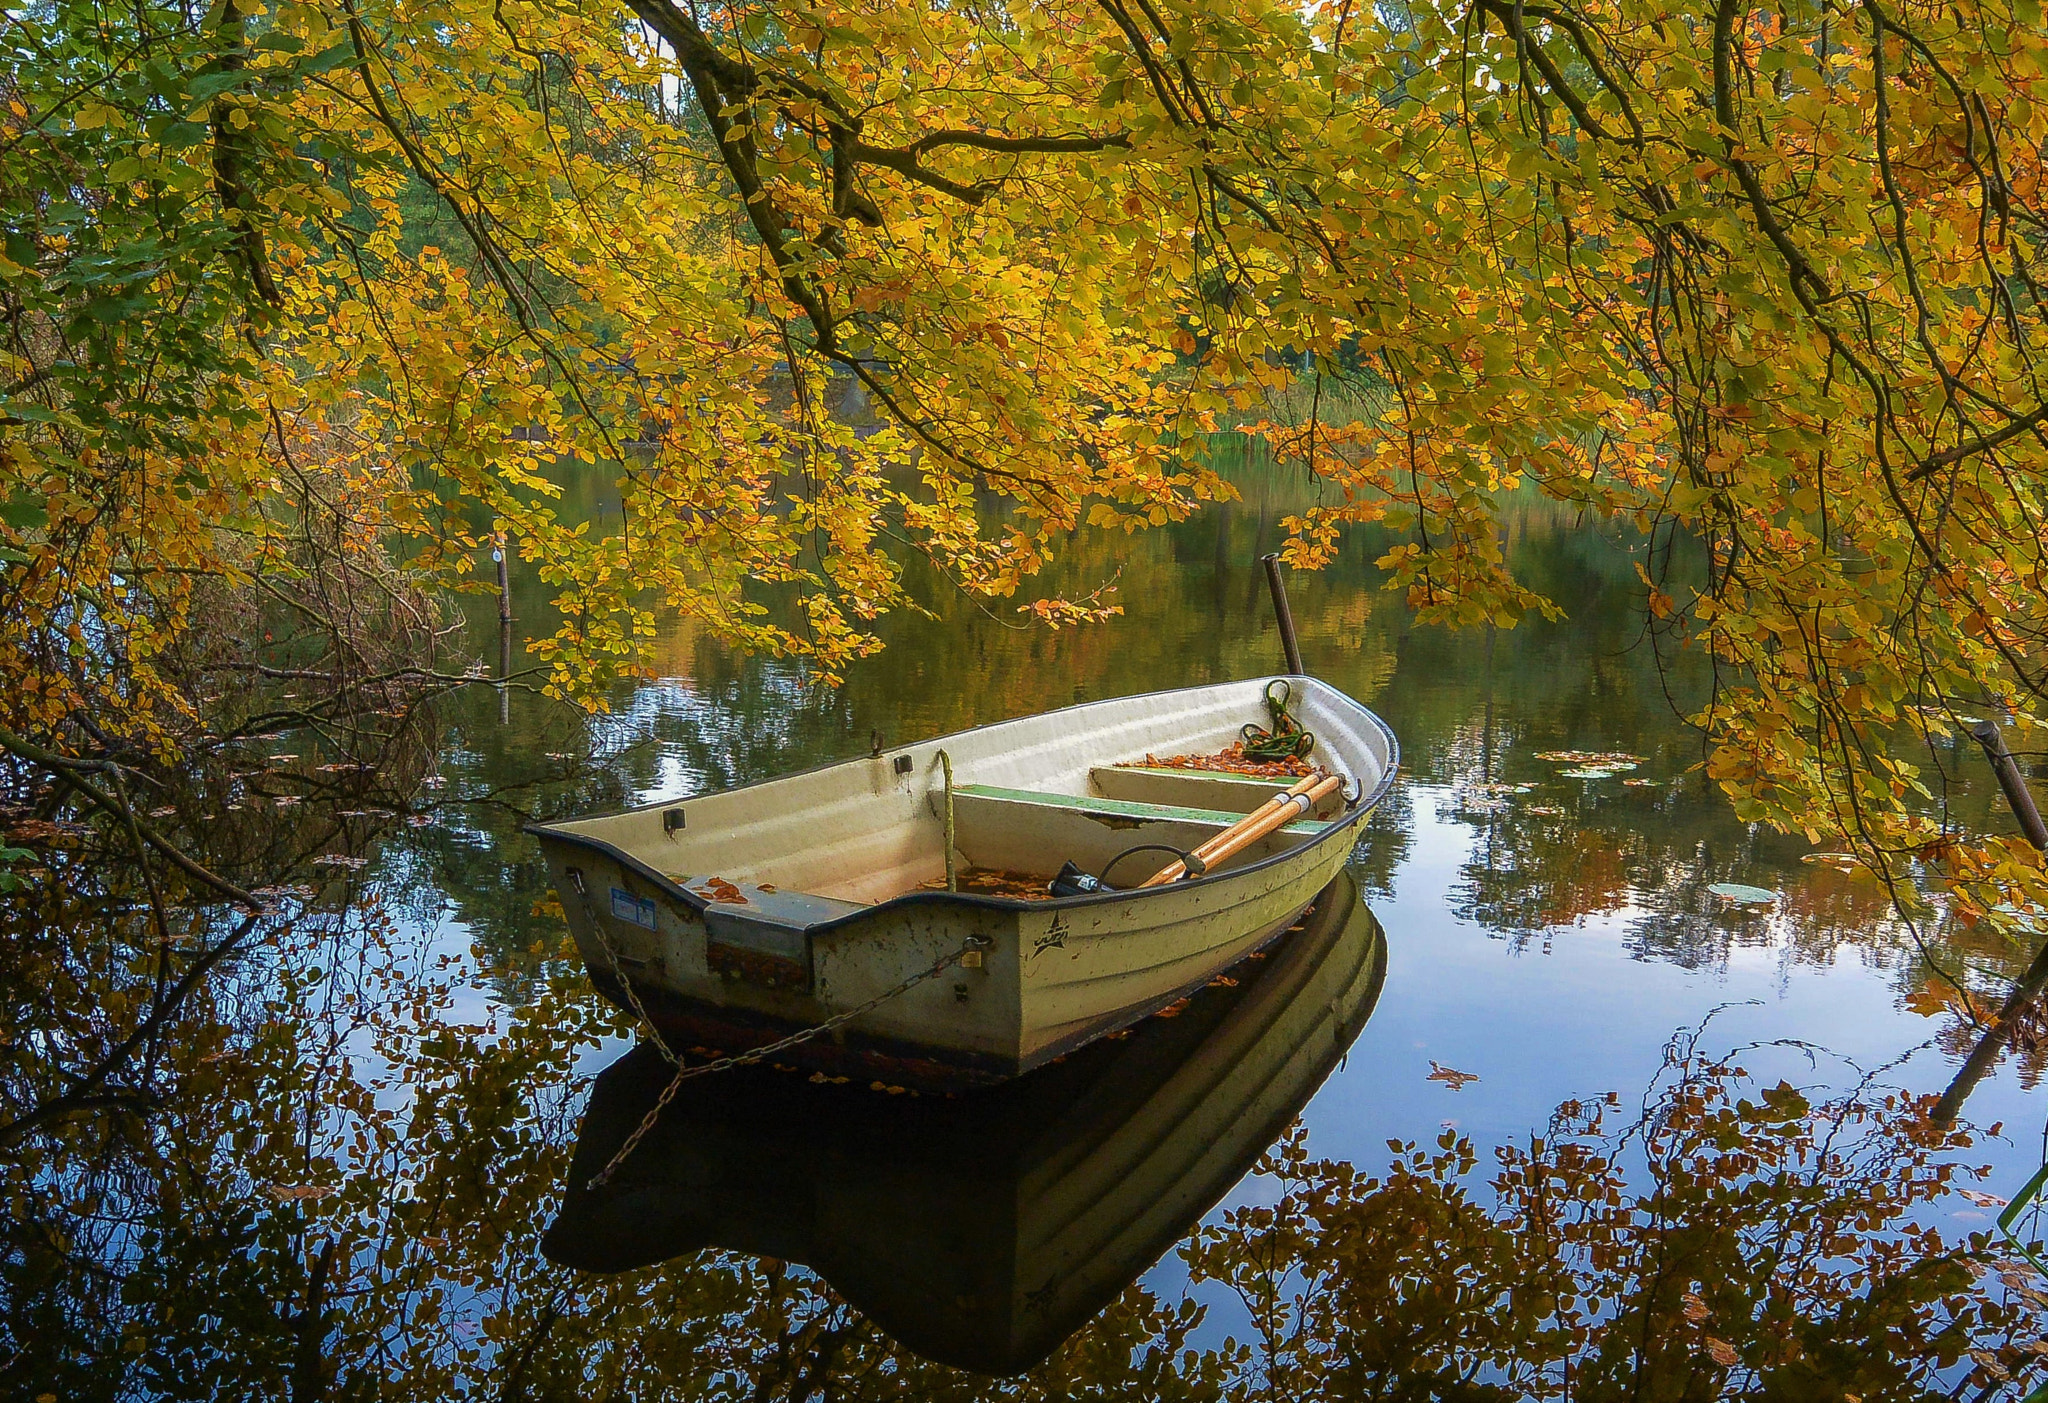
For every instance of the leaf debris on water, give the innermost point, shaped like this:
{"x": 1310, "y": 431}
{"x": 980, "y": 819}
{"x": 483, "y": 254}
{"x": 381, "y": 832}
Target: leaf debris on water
{"x": 1449, "y": 1076}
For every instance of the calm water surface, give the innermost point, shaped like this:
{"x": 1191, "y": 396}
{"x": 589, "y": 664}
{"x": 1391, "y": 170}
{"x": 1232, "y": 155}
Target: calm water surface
{"x": 1545, "y": 936}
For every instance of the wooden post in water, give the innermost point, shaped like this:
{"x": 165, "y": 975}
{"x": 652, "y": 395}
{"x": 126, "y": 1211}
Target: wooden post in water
{"x": 504, "y": 579}
{"x": 2017, "y": 795}
{"x": 2030, "y": 985}
{"x": 504, "y": 628}
{"x": 504, "y": 672}
{"x": 1284, "y": 614}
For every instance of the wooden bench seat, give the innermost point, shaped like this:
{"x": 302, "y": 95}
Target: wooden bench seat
{"x": 1135, "y": 810}
{"x": 1025, "y": 830}
{"x": 1206, "y": 789}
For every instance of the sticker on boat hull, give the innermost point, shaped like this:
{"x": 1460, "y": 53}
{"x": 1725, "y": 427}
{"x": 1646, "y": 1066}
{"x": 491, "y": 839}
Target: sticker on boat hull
{"x": 639, "y": 910}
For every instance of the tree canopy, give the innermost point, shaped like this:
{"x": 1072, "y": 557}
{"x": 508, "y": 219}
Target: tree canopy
{"x": 305, "y": 302}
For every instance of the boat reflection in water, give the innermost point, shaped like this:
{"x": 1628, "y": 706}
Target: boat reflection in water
{"x": 980, "y": 1231}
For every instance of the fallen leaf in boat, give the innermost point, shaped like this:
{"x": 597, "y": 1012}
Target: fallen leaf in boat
{"x": 720, "y": 890}
{"x": 1223, "y": 981}
{"x": 1722, "y": 1352}
{"x": 1695, "y": 1308}
{"x": 1172, "y": 1010}
{"x": 1742, "y": 895}
{"x": 766, "y": 887}
{"x": 1231, "y": 760}
{"x": 820, "y": 1079}
{"x": 1449, "y": 1076}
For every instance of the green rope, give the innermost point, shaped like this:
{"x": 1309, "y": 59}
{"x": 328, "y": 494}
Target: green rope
{"x": 1286, "y": 740}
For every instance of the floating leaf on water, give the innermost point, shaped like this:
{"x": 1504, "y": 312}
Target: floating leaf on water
{"x": 340, "y": 860}
{"x": 1588, "y": 772}
{"x": 1743, "y": 895}
{"x": 1982, "y": 1200}
{"x": 296, "y": 1193}
{"x": 1545, "y": 810}
{"x": 1695, "y": 1308}
{"x": 1642, "y": 783}
{"x": 1449, "y": 1076}
{"x": 1722, "y": 1352}
{"x": 1841, "y": 862}
{"x": 1613, "y": 759}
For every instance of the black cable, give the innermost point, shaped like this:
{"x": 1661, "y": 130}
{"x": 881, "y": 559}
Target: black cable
{"x": 1196, "y": 867}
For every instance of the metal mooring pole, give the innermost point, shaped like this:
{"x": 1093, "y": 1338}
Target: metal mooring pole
{"x": 1985, "y": 1055}
{"x": 1284, "y": 614}
{"x": 1987, "y": 734}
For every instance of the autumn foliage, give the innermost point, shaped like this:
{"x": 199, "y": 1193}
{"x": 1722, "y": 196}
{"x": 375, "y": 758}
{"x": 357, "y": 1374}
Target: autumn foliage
{"x": 826, "y": 287}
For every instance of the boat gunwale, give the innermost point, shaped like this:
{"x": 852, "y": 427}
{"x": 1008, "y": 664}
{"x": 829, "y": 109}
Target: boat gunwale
{"x": 1344, "y": 821}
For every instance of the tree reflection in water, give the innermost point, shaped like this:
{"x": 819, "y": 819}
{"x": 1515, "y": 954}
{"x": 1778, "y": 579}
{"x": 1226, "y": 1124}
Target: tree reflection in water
{"x": 340, "y": 1192}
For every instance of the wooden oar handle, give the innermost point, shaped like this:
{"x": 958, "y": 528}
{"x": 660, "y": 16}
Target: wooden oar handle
{"x": 1273, "y": 814}
{"x": 1174, "y": 871}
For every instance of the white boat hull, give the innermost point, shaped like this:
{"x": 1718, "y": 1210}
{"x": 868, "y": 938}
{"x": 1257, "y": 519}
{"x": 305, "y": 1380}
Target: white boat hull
{"x": 736, "y": 918}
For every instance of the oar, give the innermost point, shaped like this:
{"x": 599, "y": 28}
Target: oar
{"x": 1278, "y": 810}
{"x": 1273, "y": 805}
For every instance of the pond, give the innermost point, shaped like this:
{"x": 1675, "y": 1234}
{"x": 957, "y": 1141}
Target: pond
{"x": 1640, "y": 1132}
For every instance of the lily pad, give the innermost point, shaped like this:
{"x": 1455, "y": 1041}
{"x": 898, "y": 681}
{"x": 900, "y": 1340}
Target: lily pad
{"x": 1742, "y": 895}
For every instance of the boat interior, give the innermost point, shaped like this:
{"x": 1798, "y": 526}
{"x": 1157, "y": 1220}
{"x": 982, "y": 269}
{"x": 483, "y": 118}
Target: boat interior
{"x": 1107, "y": 782}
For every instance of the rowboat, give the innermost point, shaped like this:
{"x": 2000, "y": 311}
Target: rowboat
{"x": 980, "y": 1231}
{"x": 740, "y": 919}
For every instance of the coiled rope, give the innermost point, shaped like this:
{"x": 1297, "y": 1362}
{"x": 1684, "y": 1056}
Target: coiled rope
{"x": 1286, "y": 740}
